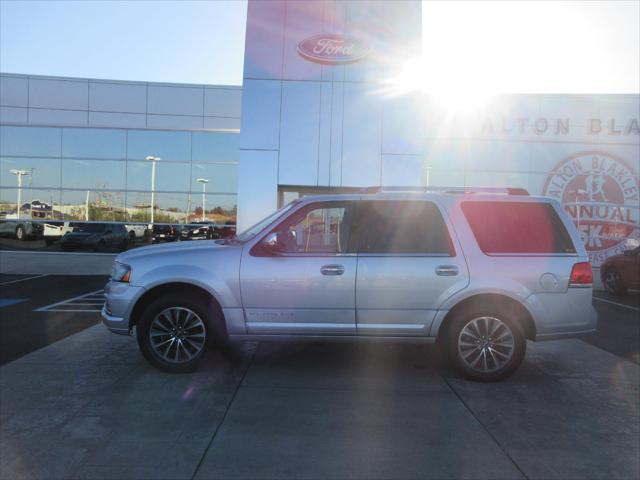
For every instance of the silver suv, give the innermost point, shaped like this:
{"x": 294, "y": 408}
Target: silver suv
{"x": 478, "y": 272}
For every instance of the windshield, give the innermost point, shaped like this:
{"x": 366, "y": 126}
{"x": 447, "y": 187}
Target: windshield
{"x": 251, "y": 232}
{"x": 89, "y": 228}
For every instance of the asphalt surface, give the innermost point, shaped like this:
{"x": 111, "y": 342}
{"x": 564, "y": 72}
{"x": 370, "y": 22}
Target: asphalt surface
{"x": 25, "y": 327}
{"x": 618, "y": 325}
{"x": 39, "y": 245}
{"x": 22, "y": 329}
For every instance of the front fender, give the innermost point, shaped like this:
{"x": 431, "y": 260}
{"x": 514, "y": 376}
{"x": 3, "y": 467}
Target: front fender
{"x": 224, "y": 291}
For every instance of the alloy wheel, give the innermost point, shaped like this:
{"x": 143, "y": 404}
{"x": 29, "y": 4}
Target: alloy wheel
{"x": 486, "y": 344}
{"x": 177, "y": 335}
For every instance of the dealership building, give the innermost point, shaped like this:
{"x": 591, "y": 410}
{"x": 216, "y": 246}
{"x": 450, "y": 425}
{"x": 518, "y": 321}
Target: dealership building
{"x": 320, "y": 110}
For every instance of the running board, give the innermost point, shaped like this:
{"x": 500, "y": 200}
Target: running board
{"x": 329, "y": 338}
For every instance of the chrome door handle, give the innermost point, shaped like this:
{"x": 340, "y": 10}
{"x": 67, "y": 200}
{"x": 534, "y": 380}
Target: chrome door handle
{"x": 332, "y": 269}
{"x": 447, "y": 270}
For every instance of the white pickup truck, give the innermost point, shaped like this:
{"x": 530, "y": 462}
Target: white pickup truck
{"x": 137, "y": 231}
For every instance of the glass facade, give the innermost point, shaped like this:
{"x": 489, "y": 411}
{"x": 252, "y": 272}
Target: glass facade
{"x": 102, "y": 173}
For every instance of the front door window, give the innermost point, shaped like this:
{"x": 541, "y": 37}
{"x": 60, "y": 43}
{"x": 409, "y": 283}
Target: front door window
{"x": 320, "y": 230}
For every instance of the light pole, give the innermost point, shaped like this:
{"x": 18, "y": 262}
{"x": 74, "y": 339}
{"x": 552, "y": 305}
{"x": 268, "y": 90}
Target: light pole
{"x": 19, "y": 174}
{"x": 86, "y": 206}
{"x": 204, "y": 182}
{"x": 153, "y": 161}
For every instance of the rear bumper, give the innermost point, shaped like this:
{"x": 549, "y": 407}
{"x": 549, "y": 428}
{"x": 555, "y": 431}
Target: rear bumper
{"x": 78, "y": 245}
{"x": 563, "y": 315}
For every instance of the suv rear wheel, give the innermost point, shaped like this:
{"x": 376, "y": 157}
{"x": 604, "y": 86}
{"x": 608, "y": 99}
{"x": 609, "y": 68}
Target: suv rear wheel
{"x": 173, "y": 332}
{"x": 486, "y": 345}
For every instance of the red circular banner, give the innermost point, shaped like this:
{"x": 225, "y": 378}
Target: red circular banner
{"x": 600, "y": 192}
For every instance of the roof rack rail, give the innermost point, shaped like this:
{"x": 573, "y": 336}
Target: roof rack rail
{"x": 459, "y": 190}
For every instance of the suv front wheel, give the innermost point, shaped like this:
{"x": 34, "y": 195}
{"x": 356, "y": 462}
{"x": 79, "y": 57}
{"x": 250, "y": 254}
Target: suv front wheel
{"x": 173, "y": 332}
{"x": 486, "y": 346}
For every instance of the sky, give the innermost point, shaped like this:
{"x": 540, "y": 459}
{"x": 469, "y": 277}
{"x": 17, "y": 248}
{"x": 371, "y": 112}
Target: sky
{"x": 518, "y": 46}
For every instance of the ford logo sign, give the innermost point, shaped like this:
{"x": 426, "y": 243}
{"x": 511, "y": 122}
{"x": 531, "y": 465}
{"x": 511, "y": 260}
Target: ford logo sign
{"x": 331, "y": 49}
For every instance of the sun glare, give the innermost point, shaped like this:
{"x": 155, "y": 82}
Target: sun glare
{"x": 472, "y": 51}
{"x": 455, "y": 91}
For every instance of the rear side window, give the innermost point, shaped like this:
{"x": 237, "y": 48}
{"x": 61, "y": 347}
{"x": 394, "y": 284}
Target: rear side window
{"x": 409, "y": 227}
{"x": 517, "y": 227}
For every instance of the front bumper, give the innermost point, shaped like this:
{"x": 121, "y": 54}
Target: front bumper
{"x": 120, "y": 299}
{"x": 115, "y": 324}
{"x": 80, "y": 245}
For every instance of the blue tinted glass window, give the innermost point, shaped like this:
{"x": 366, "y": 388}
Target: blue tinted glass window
{"x": 42, "y": 172}
{"x": 166, "y": 145}
{"x": 215, "y": 147}
{"x": 94, "y": 143}
{"x": 222, "y": 178}
{"x": 46, "y": 203}
{"x": 169, "y": 176}
{"x": 218, "y": 208}
{"x": 102, "y": 205}
{"x": 30, "y": 141}
{"x": 93, "y": 174}
{"x": 170, "y": 207}
{"x": 226, "y": 202}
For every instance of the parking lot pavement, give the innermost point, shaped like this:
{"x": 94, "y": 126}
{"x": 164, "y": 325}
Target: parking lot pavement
{"x": 618, "y": 325}
{"x": 23, "y": 330}
{"x": 89, "y": 406}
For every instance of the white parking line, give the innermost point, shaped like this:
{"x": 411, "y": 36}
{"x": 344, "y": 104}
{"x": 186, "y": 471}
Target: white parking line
{"x": 93, "y": 299}
{"x": 83, "y": 303}
{"x": 22, "y": 279}
{"x": 616, "y": 303}
{"x": 70, "y": 310}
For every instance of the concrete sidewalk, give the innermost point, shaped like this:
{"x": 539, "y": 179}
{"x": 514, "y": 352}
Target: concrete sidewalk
{"x": 89, "y": 407}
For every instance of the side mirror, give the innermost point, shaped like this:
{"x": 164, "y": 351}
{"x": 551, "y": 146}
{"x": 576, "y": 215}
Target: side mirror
{"x": 273, "y": 244}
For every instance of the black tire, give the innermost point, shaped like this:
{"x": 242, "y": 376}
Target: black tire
{"x": 459, "y": 346}
{"x": 21, "y": 233}
{"x": 132, "y": 236}
{"x": 196, "y": 305}
{"x": 612, "y": 282}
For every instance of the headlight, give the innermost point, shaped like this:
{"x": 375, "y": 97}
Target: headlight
{"x": 120, "y": 272}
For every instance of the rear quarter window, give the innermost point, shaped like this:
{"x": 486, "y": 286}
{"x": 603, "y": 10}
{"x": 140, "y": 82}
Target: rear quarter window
{"x": 517, "y": 227}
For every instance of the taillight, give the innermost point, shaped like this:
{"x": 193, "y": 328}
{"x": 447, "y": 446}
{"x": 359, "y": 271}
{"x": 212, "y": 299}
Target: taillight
{"x": 581, "y": 274}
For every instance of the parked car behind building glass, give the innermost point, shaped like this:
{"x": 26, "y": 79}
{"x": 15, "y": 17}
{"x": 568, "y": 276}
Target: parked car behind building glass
{"x": 96, "y": 236}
